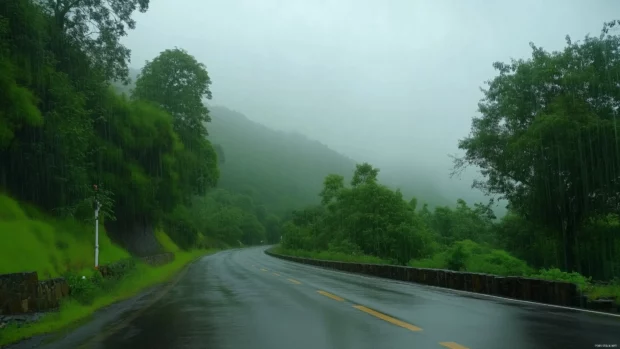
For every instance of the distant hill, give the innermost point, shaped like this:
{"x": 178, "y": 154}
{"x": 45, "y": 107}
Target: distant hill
{"x": 283, "y": 170}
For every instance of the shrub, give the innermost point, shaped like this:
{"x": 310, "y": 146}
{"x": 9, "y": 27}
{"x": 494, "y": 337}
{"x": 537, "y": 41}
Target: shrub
{"x": 83, "y": 289}
{"x": 345, "y": 246}
{"x": 457, "y": 258}
{"x": 556, "y": 274}
{"x": 470, "y": 256}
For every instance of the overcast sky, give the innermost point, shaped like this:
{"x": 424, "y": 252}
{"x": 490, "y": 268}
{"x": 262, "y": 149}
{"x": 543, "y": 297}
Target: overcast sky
{"x": 392, "y": 81}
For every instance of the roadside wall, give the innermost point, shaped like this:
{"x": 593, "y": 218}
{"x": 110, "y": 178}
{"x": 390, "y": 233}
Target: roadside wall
{"x": 534, "y": 290}
{"x": 23, "y": 293}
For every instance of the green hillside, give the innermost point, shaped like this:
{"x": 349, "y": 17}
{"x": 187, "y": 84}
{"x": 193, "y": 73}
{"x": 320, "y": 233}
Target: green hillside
{"x": 282, "y": 170}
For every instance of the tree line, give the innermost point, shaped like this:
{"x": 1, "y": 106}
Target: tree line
{"x": 546, "y": 140}
{"x": 64, "y": 130}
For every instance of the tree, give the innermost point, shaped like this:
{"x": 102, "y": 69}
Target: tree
{"x": 332, "y": 185}
{"x": 177, "y": 82}
{"x": 364, "y": 174}
{"x": 547, "y": 140}
{"x": 366, "y": 218}
{"x": 97, "y": 26}
{"x": 137, "y": 151}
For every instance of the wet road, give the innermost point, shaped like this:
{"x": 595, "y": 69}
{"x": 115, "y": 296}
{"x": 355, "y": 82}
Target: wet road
{"x": 245, "y": 299}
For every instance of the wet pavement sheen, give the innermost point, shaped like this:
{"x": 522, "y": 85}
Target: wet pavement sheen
{"x": 243, "y": 298}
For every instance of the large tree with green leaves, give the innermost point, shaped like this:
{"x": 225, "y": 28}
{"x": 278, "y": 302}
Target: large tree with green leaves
{"x": 547, "y": 138}
{"x": 96, "y": 26}
{"x": 365, "y": 217}
{"x": 176, "y": 82}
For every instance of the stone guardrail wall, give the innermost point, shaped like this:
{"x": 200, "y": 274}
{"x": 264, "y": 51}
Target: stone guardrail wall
{"x": 22, "y": 293}
{"x": 533, "y": 290}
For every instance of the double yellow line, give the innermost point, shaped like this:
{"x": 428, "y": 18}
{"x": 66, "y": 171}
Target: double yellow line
{"x": 374, "y": 313}
{"x": 387, "y": 318}
{"x": 384, "y": 317}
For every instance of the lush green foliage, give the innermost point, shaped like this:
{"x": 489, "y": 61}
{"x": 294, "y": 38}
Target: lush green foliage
{"x": 547, "y": 141}
{"x": 49, "y": 246}
{"x": 363, "y": 218}
{"x": 64, "y": 129}
{"x": 369, "y": 223}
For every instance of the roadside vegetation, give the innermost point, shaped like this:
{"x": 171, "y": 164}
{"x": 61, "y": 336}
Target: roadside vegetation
{"x": 69, "y": 137}
{"x": 89, "y": 290}
{"x": 546, "y": 141}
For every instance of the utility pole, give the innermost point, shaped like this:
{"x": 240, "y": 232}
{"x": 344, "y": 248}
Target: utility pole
{"x": 97, "y": 207}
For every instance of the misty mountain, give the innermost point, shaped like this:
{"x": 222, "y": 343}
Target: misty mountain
{"x": 283, "y": 170}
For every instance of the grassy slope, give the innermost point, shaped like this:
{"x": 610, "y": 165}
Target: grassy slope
{"x": 34, "y": 242}
{"x": 53, "y": 247}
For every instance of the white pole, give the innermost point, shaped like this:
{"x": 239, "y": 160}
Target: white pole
{"x": 97, "y": 235}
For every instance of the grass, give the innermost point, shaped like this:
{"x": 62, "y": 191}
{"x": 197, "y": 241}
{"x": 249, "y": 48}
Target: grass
{"x": 53, "y": 247}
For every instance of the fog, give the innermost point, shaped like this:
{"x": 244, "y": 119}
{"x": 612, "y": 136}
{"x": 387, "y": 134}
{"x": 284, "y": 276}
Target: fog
{"x": 394, "y": 82}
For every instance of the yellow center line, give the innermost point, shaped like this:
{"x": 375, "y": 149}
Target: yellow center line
{"x": 389, "y": 319}
{"x": 294, "y": 281}
{"x": 332, "y": 296}
{"x": 263, "y": 269}
{"x": 276, "y": 274}
{"x": 452, "y": 345}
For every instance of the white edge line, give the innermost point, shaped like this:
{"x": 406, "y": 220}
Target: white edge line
{"x": 482, "y": 295}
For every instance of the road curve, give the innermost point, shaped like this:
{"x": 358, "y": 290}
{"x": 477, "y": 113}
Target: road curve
{"x": 245, "y": 299}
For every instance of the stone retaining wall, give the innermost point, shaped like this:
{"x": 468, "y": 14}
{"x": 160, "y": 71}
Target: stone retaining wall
{"x": 534, "y": 290}
{"x": 22, "y": 293}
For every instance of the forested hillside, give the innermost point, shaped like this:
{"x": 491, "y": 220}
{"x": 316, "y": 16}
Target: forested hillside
{"x": 69, "y": 140}
{"x": 546, "y": 141}
{"x": 282, "y": 170}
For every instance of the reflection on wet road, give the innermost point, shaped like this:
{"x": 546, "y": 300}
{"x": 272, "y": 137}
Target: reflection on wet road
{"x": 245, "y": 299}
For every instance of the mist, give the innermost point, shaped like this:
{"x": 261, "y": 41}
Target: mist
{"x": 394, "y": 83}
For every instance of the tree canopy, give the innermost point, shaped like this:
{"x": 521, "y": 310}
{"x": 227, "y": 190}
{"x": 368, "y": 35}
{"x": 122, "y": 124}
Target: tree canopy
{"x": 546, "y": 140}
{"x": 65, "y": 130}
{"x": 547, "y": 136}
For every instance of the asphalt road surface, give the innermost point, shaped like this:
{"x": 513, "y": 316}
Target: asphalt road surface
{"x": 245, "y": 299}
